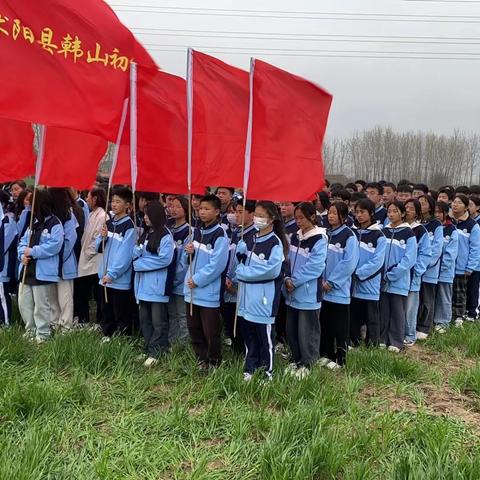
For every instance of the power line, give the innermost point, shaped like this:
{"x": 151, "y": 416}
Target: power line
{"x": 368, "y": 17}
{"x": 303, "y": 37}
{"x": 273, "y": 49}
{"x": 386, "y": 57}
{"x": 291, "y": 12}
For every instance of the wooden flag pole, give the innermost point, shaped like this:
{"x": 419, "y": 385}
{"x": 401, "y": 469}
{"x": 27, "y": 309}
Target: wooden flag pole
{"x": 38, "y": 169}
{"x": 246, "y": 175}
{"x": 112, "y": 172}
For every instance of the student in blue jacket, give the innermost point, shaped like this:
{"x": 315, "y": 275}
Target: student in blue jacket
{"x": 424, "y": 255}
{"x": 39, "y": 253}
{"x": 8, "y": 258}
{"x": 259, "y": 276}
{"x": 115, "y": 269}
{"x": 204, "y": 283}
{"x": 468, "y": 258}
{"x": 62, "y": 208}
{"x": 245, "y": 217}
{"x": 153, "y": 263}
{"x": 443, "y": 296}
{"x": 365, "y": 308}
{"x": 400, "y": 258}
{"x": 430, "y": 278}
{"x": 177, "y": 312}
{"x": 342, "y": 259}
{"x": 473, "y": 283}
{"x": 303, "y": 285}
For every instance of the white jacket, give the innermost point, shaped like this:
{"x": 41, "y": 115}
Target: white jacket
{"x": 89, "y": 257}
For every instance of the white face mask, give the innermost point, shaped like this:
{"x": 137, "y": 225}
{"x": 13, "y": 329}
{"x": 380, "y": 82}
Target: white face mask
{"x": 232, "y": 219}
{"x": 260, "y": 223}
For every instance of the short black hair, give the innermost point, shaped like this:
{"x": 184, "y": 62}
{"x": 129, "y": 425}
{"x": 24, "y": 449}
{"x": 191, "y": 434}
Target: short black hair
{"x": 230, "y": 189}
{"x": 463, "y": 198}
{"x": 345, "y": 195}
{"x": 475, "y": 190}
{"x": 327, "y": 183}
{"x": 422, "y": 187}
{"x": 356, "y": 196}
{"x": 124, "y": 193}
{"x": 324, "y": 199}
{"x": 404, "y": 188}
{"x": 366, "y": 204}
{"x": 213, "y": 200}
{"x": 447, "y": 192}
{"x": 249, "y": 204}
{"x": 361, "y": 182}
{"x": 404, "y": 181}
{"x": 376, "y": 186}
{"x": 149, "y": 196}
{"x": 390, "y": 185}
{"x": 352, "y": 186}
{"x": 462, "y": 189}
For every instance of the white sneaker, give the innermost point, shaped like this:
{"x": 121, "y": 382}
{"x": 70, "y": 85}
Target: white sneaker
{"x": 291, "y": 368}
{"x": 40, "y": 340}
{"x": 333, "y": 366}
{"x": 302, "y": 372}
{"x": 28, "y": 336}
{"x": 393, "y": 349}
{"x": 422, "y": 336}
{"x": 470, "y": 319}
{"x": 150, "y": 361}
{"x": 440, "y": 329}
{"x": 141, "y": 358}
{"x": 228, "y": 341}
{"x": 459, "y": 322}
{"x": 323, "y": 361}
{"x": 247, "y": 376}
{"x": 408, "y": 343}
{"x": 382, "y": 346}
{"x": 106, "y": 339}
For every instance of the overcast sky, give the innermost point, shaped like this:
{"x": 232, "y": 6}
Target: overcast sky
{"x": 407, "y": 94}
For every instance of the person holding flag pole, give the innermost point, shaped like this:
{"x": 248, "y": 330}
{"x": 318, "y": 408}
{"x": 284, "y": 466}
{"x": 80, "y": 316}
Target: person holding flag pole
{"x": 39, "y": 254}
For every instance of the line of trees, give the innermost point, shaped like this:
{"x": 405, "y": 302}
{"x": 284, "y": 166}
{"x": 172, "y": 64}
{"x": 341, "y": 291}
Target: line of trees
{"x": 383, "y": 154}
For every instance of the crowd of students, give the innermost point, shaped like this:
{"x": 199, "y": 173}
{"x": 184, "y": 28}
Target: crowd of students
{"x": 374, "y": 263}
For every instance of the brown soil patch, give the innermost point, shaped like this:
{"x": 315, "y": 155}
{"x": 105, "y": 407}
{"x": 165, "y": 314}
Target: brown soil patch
{"x": 440, "y": 400}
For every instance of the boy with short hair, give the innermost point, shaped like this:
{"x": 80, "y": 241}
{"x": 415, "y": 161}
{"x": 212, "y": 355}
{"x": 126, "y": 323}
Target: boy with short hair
{"x": 374, "y": 193}
{"x": 204, "y": 283}
{"x": 116, "y": 242}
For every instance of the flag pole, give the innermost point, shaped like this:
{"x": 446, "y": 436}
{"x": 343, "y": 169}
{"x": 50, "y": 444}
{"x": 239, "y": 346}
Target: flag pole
{"x": 246, "y": 175}
{"x": 133, "y": 138}
{"x": 189, "y": 159}
{"x": 38, "y": 169}
{"x": 116, "y": 151}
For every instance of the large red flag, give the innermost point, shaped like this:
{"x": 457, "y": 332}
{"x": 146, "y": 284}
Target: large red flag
{"x": 17, "y": 158}
{"x": 65, "y": 63}
{"x": 161, "y": 135}
{"x": 70, "y": 158}
{"x": 288, "y": 121}
{"x": 220, "y": 95}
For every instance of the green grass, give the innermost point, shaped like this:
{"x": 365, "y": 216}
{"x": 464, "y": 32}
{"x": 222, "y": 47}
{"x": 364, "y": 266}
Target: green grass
{"x": 458, "y": 341}
{"x": 76, "y": 409}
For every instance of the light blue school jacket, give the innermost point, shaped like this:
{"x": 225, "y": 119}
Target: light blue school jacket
{"x": 342, "y": 259}
{"x": 306, "y": 265}
{"x": 400, "y": 257}
{"x": 151, "y": 270}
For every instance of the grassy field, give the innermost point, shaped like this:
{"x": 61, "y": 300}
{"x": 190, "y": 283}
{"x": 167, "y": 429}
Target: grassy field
{"x": 76, "y": 409}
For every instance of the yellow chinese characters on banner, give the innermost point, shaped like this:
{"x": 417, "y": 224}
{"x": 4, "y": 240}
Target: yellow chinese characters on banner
{"x": 70, "y": 47}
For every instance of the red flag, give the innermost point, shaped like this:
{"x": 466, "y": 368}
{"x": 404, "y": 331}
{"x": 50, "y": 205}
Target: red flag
{"x": 65, "y": 63}
{"x": 71, "y": 158}
{"x": 161, "y": 135}
{"x": 289, "y": 118}
{"x": 17, "y": 158}
{"x": 220, "y": 95}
